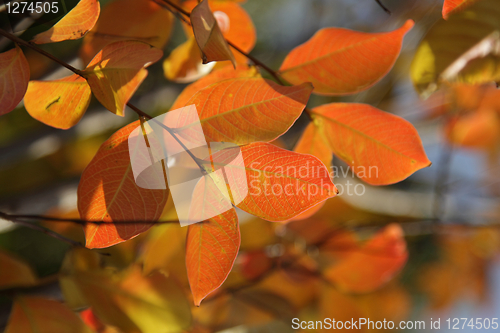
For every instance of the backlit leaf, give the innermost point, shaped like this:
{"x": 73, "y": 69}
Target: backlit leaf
{"x": 73, "y": 25}
{"x": 107, "y": 191}
{"x": 209, "y": 36}
{"x": 235, "y": 23}
{"x": 339, "y": 61}
{"x": 372, "y": 265}
{"x": 245, "y": 110}
{"x": 14, "y": 272}
{"x": 14, "y": 78}
{"x": 282, "y": 184}
{"x": 381, "y": 148}
{"x": 453, "y": 6}
{"x": 447, "y": 40}
{"x": 41, "y": 315}
{"x": 117, "y": 71}
{"x": 141, "y": 20}
{"x": 184, "y": 64}
{"x": 211, "y": 248}
{"x": 60, "y": 103}
{"x": 136, "y": 303}
{"x": 476, "y": 129}
{"x": 215, "y": 76}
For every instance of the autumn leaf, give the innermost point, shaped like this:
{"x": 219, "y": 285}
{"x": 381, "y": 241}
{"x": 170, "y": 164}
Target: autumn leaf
{"x": 214, "y": 77}
{"x": 208, "y": 35}
{"x": 339, "y": 61}
{"x": 184, "y": 65}
{"x": 141, "y": 20}
{"x": 108, "y": 191}
{"x": 245, "y": 110}
{"x": 14, "y": 78}
{"x": 476, "y": 129}
{"x": 372, "y": 265}
{"x": 73, "y": 25}
{"x": 211, "y": 249}
{"x": 381, "y": 148}
{"x": 448, "y": 40}
{"x": 234, "y": 22}
{"x": 136, "y": 303}
{"x": 281, "y": 183}
{"x": 117, "y": 71}
{"x": 60, "y": 103}
{"x": 453, "y": 6}
{"x": 40, "y": 315}
{"x": 15, "y": 272}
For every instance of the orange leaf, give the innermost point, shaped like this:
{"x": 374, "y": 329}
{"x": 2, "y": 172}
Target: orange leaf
{"x": 60, "y": 103}
{"x": 141, "y": 20}
{"x": 245, "y": 110}
{"x": 282, "y": 184}
{"x": 107, "y": 191}
{"x": 381, "y": 148}
{"x": 208, "y": 35}
{"x": 216, "y": 76}
{"x": 339, "y": 61}
{"x": 14, "y": 78}
{"x": 453, "y": 6}
{"x": 235, "y": 23}
{"x": 211, "y": 248}
{"x": 314, "y": 141}
{"x": 184, "y": 64}
{"x": 372, "y": 265}
{"x": 117, "y": 71}
{"x": 73, "y": 25}
{"x": 15, "y": 272}
{"x": 40, "y": 315}
{"x": 478, "y": 129}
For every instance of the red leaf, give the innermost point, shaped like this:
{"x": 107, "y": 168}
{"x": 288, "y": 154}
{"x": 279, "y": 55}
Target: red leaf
{"x": 340, "y": 61}
{"x": 381, "y": 148}
{"x": 453, "y": 6}
{"x": 14, "y": 78}
{"x": 107, "y": 191}
{"x": 372, "y": 265}
{"x": 282, "y": 184}
{"x": 211, "y": 248}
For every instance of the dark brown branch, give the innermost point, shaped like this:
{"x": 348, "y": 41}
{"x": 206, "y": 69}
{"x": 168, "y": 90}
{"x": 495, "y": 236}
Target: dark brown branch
{"x": 19, "y": 41}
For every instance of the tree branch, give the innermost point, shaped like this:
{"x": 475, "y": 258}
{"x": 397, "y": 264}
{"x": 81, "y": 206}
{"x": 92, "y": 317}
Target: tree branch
{"x": 383, "y": 7}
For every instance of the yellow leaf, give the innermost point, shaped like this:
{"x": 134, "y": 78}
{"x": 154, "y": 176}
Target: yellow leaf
{"x": 73, "y": 25}
{"x": 60, "y": 103}
{"x": 117, "y": 71}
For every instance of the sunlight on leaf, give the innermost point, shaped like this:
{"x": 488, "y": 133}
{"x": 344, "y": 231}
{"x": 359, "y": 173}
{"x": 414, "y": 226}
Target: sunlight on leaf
{"x": 339, "y": 61}
{"x": 117, "y": 71}
{"x": 211, "y": 249}
{"x": 60, "y": 103}
{"x": 73, "y": 25}
{"x": 107, "y": 191}
{"x": 453, "y": 6}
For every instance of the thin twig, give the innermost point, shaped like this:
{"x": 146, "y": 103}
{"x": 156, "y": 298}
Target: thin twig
{"x": 441, "y": 186}
{"x": 41, "y": 229}
{"x": 256, "y": 61}
{"x": 383, "y": 7}
{"x": 19, "y": 41}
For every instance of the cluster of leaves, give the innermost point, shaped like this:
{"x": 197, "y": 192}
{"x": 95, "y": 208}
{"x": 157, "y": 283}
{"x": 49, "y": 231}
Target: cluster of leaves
{"x": 235, "y": 104}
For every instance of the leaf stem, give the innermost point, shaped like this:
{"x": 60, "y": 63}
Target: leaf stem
{"x": 19, "y": 41}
